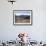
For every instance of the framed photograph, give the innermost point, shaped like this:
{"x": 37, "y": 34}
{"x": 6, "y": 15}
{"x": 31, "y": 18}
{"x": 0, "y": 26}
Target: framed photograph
{"x": 22, "y": 17}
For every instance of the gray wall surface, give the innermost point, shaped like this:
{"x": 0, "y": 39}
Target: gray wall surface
{"x": 38, "y": 29}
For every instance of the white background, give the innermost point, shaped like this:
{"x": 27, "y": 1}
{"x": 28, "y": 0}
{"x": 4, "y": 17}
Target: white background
{"x": 38, "y": 29}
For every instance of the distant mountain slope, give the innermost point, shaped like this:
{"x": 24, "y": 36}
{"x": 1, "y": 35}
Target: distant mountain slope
{"x": 23, "y": 16}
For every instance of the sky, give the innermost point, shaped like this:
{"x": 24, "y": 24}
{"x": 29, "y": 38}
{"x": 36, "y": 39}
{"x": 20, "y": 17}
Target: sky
{"x": 22, "y": 13}
{"x": 18, "y": 14}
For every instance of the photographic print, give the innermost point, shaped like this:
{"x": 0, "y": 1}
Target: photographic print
{"x": 22, "y": 17}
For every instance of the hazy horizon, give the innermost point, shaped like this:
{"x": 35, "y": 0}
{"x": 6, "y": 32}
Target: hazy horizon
{"x": 19, "y": 14}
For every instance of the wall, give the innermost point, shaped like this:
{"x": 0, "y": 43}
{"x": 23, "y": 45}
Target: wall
{"x": 38, "y": 29}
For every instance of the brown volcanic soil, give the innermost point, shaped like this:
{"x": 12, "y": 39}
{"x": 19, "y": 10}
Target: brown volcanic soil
{"x": 21, "y": 20}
